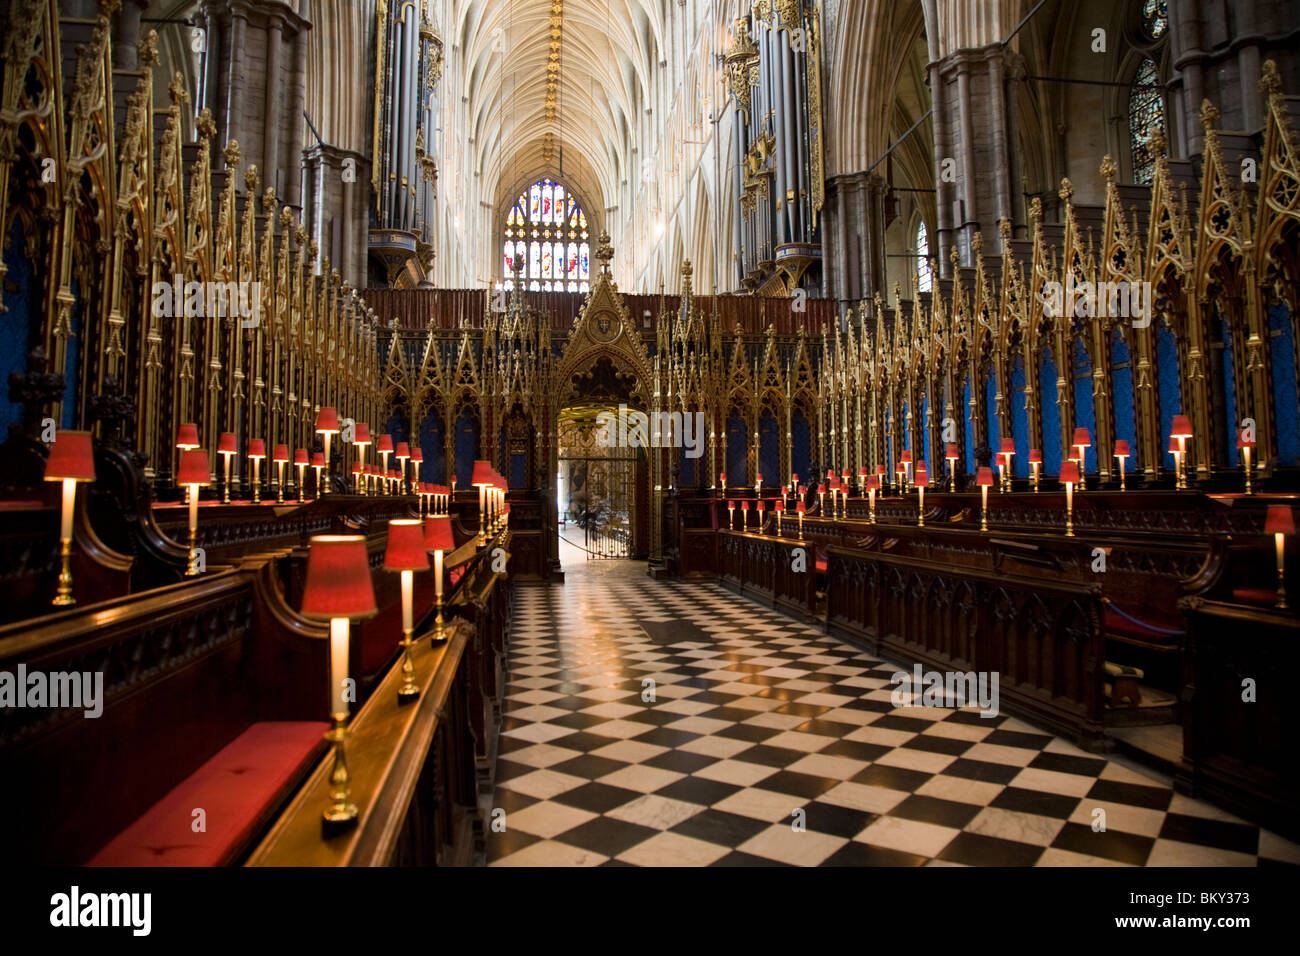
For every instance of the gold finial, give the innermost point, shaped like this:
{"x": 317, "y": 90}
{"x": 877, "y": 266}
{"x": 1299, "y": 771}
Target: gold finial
{"x": 1004, "y": 231}
{"x": 1209, "y": 114}
{"x": 286, "y": 218}
{"x": 250, "y": 178}
{"x": 177, "y": 89}
{"x": 268, "y": 199}
{"x": 300, "y": 234}
{"x": 1270, "y": 82}
{"x": 686, "y": 267}
{"x": 1108, "y": 168}
{"x": 312, "y": 249}
{"x": 231, "y": 153}
{"x": 977, "y": 242}
{"x": 204, "y": 125}
{"x": 1036, "y": 211}
{"x": 148, "y": 49}
{"x": 1066, "y": 190}
{"x": 1158, "y": 144}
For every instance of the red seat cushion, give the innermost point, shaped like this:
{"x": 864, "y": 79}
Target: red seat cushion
{"x": 236, "y": 789}
{"x": 1113, "y": 623}
{"x": 1260, "y": 597}
{"x": 821, "y": 564}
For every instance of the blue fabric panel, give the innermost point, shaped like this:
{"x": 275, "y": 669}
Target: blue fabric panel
{"x": 466, "y": 447}
{"x": 737, "y": 451}
{"x": 1286, "y": 403}
{"x": 1171, "y": 399}
{"x": 1019, "y": 419}
{"x": 1122, "y": 399}
{"x": 1051, "y": 415}
{"x": 1084, "y": 416}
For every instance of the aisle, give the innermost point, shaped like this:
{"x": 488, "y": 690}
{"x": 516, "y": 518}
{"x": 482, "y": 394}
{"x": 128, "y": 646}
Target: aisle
{"x": 759, "y": 723}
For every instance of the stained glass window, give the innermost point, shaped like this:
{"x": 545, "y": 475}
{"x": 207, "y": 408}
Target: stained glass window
{"x": 1146, "y": 117}
{"x": 546, "y": 233}
{"x": 922, "y": 258}
{"x": 1155, "y": 17}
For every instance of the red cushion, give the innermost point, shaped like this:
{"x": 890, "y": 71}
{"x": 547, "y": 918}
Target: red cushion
{"x": 243, "y": 782}
{"x": 457, "y": 574}
{"x": 1260, "y": 597}
{"x": 821, "y": 564}
{"x": 1113, "y": 623}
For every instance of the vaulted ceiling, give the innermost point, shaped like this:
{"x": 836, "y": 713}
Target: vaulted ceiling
{"x": 600, "y": 54}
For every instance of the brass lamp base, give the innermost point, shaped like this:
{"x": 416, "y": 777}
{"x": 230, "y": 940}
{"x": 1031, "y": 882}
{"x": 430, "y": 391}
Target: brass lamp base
{"x": 64, "y": 598}
{"x": 342, "y": 813}
{"x": 439, "y": 635}
{"x": 408, "y": 692}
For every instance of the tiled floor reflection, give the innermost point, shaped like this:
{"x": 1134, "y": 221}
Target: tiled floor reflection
{"x": 766, "y": 742}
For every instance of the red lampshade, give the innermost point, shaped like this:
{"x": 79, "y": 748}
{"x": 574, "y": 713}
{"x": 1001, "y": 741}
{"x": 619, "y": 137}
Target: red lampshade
{"x": 744, "y": 505}
{"x": 385, "y": 443}
{"x": 318, "y": 459}
{"x": 187, "y": 436}
{"x": 731, "y": 506}
{"x": 905, "y": 457}
{"x": 1035, "y": 456}
{"x": 227, "y": 445}
{"x": 1070, "y": 472}
{"x": 950, "y": 451}
{"x": 984, "y": 476}
{"x": 417, "y": 454}
{"x": 821, "y": 489}
{"x": 785, "y": 489}
{"x": 194, "y": 468}
{"x": 794, "y": 479}
{"x": 1182, "y": 427}
{"x": 358, "y": 468}
{"x": 779, "y": 506}
{"x": 438, "y": 535}
{"x": 803, "y": 489}
{"x": 1173, "y": 445}
{"x": 482, "y": 473}
{"x": 1008, "y": 446}
{"x": 406, "y": 549}
{"x": 759, "y": 504}
{"x": 71, "y": 456}
{"x": 1280, "y": 519}
{"x": 327, "y": 421}
{"x": 361, "y": 434}
{"x": 300, "y": 456}
{"x": 758, "y": 478}
{"x": 873, "y": 483}
{"x": 800, "y": 507}
{"x": 338, "y": 578}
{"x": 722, "y": 477}
{"x": 281, "y": 453}
{"x": 830, "y": 472}
{"x": 403, "y": 450}
{"x": 373, "y": 470}
{"x": 862, "y": 471}
{"x": 880, "y": 469}
{"x": 257, "y": 448}
{"x": 1081, "y": 437}
{"x": 1121, "y": 448}
{"x": 922, "y": 477}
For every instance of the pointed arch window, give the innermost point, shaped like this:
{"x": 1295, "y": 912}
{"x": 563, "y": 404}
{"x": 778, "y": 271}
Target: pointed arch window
{"x": 546, "y": 233}
{"x": 923, "y": 282}
{"x": 1146, "y": 118}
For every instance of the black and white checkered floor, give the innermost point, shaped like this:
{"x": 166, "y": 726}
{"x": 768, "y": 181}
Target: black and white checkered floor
{"x": 677, "y": 724}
